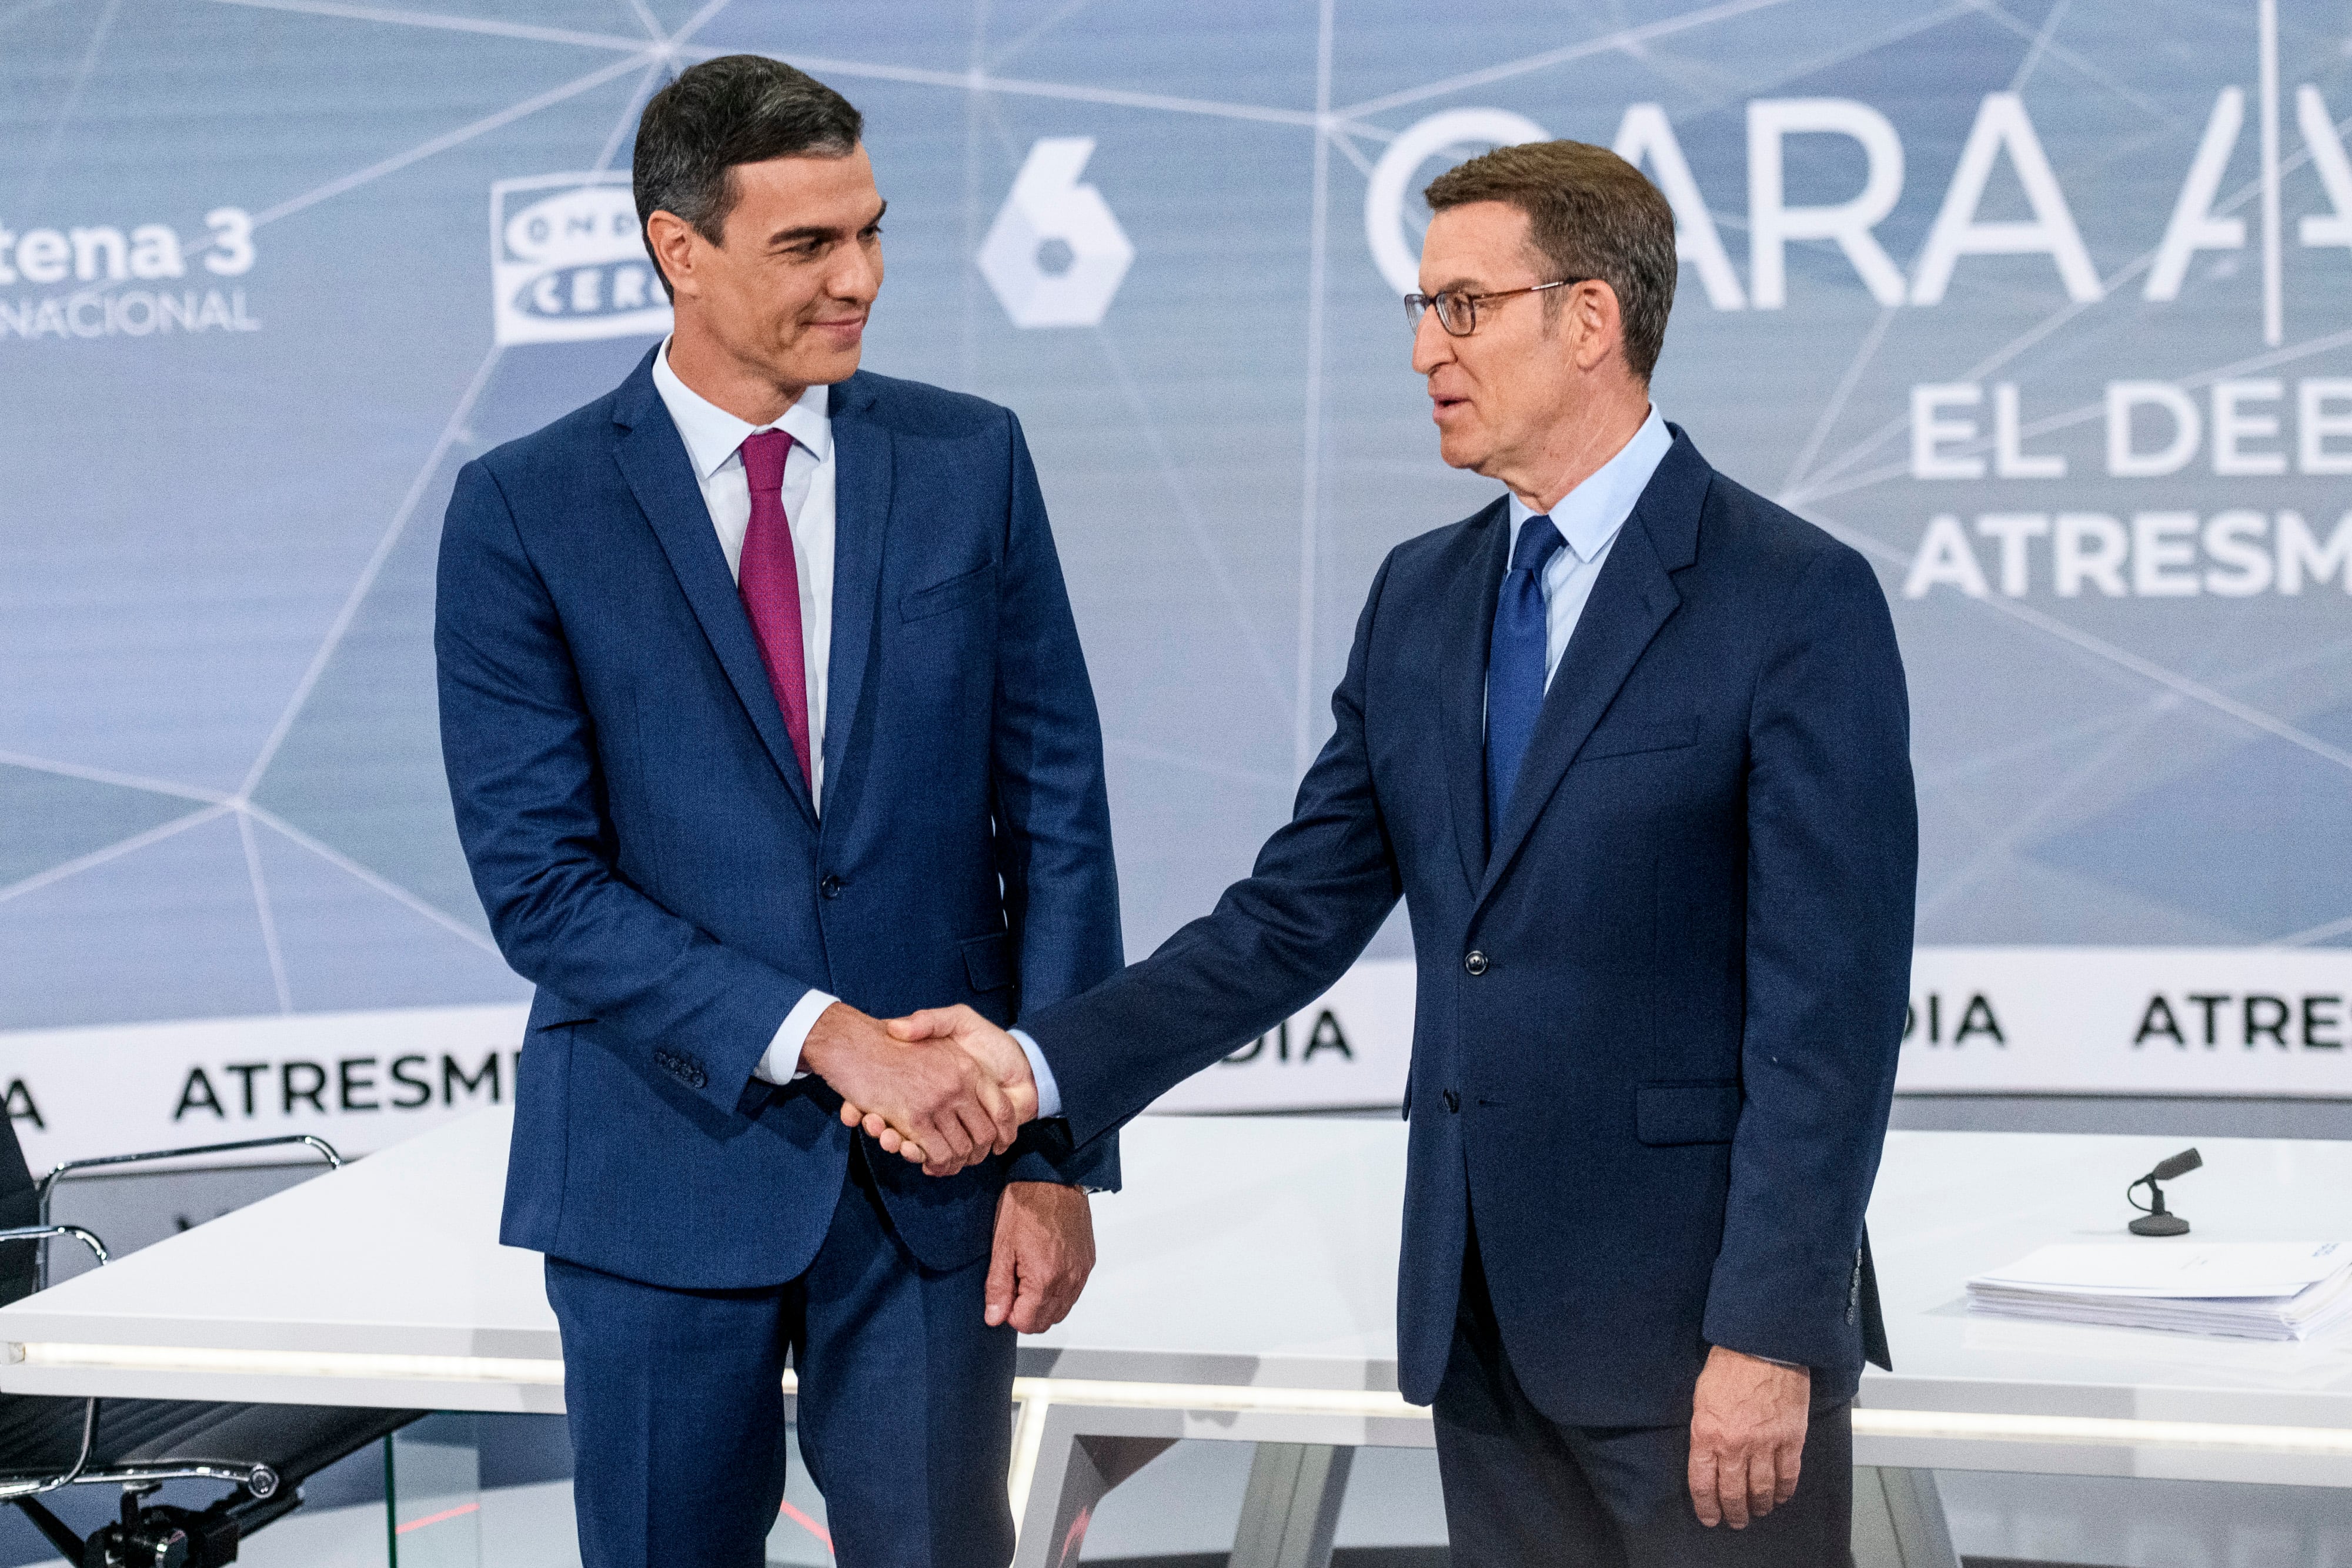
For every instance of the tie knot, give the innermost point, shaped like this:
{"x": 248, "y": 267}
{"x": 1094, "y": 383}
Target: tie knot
{"x": 763, "y": 459}
{"x": 1538, "y": 541}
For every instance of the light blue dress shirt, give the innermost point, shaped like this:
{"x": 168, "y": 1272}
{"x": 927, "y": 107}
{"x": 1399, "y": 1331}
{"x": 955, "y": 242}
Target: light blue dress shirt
{"x": 1588, "y": 518}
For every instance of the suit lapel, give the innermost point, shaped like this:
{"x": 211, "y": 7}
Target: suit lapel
{"x": 1463, "y": 630}
{"x": 1631, "y": 598}
{"x": 653, "y": 460}
{"x": 861, "y": 509}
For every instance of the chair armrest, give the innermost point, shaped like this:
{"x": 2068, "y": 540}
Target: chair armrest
{"x": 43, "y": 1232}
{"x": 317, "y": 1145}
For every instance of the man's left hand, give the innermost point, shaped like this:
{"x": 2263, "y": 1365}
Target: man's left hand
{"x": 1045, "y": 1251}
{"x": 1747, "y": 1432}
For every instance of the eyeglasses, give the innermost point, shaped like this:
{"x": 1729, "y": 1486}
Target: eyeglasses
{"x": 1457, "y": 311}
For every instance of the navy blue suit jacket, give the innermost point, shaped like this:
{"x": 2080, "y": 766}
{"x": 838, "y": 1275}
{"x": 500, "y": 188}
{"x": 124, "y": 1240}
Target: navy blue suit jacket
{"x": 644, "y": 843}
{"x": 1656, "y": 1023}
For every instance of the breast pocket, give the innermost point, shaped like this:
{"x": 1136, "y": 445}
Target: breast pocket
{"x": 971, "y": 587}
{"x": 988, "y": 962}
{"x": 1626, "y": 739}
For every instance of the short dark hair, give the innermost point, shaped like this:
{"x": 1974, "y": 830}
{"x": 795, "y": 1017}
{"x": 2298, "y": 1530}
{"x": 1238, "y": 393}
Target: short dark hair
{"x": 737, "y": 109}
{"x": 1590, "y": 214}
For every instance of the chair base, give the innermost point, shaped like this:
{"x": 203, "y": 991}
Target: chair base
{"x": 164, "y": 1533}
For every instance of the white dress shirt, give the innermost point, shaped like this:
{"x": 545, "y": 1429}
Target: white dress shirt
{"x": 1588, "y": 518}
{"x": 714, "y": 439}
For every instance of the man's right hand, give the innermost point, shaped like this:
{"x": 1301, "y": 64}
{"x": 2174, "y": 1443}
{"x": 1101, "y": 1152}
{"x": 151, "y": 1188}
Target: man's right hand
{"x": 996, "y": 1054}
{"x": 919, "y": 1092}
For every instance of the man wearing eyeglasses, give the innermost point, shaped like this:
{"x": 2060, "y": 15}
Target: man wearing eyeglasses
{"x": 1632, "y": 743}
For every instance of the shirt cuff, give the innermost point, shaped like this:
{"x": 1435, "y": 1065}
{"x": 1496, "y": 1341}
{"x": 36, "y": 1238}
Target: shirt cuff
{"x": 1049, "y": 1096}
{"x": 782, "y": 1063}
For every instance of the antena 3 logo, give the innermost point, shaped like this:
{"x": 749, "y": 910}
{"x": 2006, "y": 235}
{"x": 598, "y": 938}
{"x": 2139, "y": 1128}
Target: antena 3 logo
{"x": 568, "y": 262}
{"x": 134, "y": 281}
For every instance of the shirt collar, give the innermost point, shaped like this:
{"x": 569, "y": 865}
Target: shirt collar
{"x": 712, "y": 435}
{"x": 1589, "y": 516}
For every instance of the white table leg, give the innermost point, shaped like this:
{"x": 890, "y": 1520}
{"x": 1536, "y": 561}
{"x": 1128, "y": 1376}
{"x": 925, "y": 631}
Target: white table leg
{"x": 1292, "y": 1507}
{"x": 1073, "y": 1470}
{"x": 1898, "y": 1520}
{"x": 1067, "y": 1457}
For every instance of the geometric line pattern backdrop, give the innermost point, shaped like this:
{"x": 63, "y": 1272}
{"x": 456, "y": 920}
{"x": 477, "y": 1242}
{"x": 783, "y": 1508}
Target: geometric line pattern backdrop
{"x": 246, "y": 315}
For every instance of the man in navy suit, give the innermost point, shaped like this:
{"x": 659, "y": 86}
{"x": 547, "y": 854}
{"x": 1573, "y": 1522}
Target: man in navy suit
{"x": 764, "y": 714}
{"x": 1632, "y": 743}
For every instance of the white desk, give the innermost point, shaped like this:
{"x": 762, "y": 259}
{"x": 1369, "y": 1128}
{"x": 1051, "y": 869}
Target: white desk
{"x": 1247, "y": 1291}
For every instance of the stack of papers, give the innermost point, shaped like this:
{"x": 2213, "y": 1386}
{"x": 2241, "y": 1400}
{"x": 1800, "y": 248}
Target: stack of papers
{"x": 2245, "y": 1290}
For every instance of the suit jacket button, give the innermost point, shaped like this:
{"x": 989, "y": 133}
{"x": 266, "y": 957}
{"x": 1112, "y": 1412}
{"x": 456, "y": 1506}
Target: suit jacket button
{"x": 1476, "y": 963}
{"x": 829, "y": 887}
{"x": 1452, "y": 1101}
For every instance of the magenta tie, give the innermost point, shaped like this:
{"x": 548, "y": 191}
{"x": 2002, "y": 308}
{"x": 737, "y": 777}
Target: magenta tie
{"x": 770, "y": 582}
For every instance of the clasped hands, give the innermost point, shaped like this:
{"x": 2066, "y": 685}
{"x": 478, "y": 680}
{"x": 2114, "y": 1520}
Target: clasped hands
{"x": 946, "y": 1089}
{"x": 943, "y": 1088}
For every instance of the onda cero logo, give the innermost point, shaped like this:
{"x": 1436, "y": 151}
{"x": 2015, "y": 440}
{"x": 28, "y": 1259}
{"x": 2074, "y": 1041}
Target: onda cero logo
{"x": 568, "y": 262}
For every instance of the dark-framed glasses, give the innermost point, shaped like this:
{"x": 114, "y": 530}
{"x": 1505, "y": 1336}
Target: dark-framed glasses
{"x": 1457, "y": 310}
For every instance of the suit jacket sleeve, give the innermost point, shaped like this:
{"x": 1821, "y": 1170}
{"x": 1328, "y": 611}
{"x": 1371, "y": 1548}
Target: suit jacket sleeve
{"x": 521, "y": 749}
{"x": 1832, "y": 866}
{"x": 1052, "y": 809}
{"x": 1276, "y": 941}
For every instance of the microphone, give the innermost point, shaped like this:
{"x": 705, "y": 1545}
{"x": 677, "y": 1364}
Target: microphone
{"x": 2155, "y": 1218}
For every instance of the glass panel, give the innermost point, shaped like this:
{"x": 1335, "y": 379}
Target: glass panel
{"x": 2138, "y": 1521}
{"x": 439, "y": 1514}
{"x": 802, "y": 1537}
{"x": 433, "y": 1494}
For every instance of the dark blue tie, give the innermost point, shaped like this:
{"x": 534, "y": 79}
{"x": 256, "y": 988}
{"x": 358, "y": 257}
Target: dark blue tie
{"x": 1515, "y": 666}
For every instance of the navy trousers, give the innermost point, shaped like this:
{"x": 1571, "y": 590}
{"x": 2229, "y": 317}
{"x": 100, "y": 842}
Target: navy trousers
{"x": 1520, "y": 1488}
{"x": 677, "y": 1416}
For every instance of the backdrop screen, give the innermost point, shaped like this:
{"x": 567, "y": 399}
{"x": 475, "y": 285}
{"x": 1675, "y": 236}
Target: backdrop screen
{"x": 2041, "y": 304}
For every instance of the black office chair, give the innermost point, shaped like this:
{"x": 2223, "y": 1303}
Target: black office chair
{"x": 265, "y": 1451}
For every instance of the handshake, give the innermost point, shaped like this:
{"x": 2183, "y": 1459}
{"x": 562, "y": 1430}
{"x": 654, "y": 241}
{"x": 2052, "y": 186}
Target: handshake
{"x": 942, "y": 1088}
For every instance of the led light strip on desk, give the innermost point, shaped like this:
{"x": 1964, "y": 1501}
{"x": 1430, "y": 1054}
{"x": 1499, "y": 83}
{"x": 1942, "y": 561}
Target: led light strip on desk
{"x": 1036, "y": 1396}
{"x": 369, "y": 1365}
{"x": 2102, "y": 1431}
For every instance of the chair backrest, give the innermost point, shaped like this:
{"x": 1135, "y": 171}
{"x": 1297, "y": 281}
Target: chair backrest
{"x": 20, "y": 1204}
